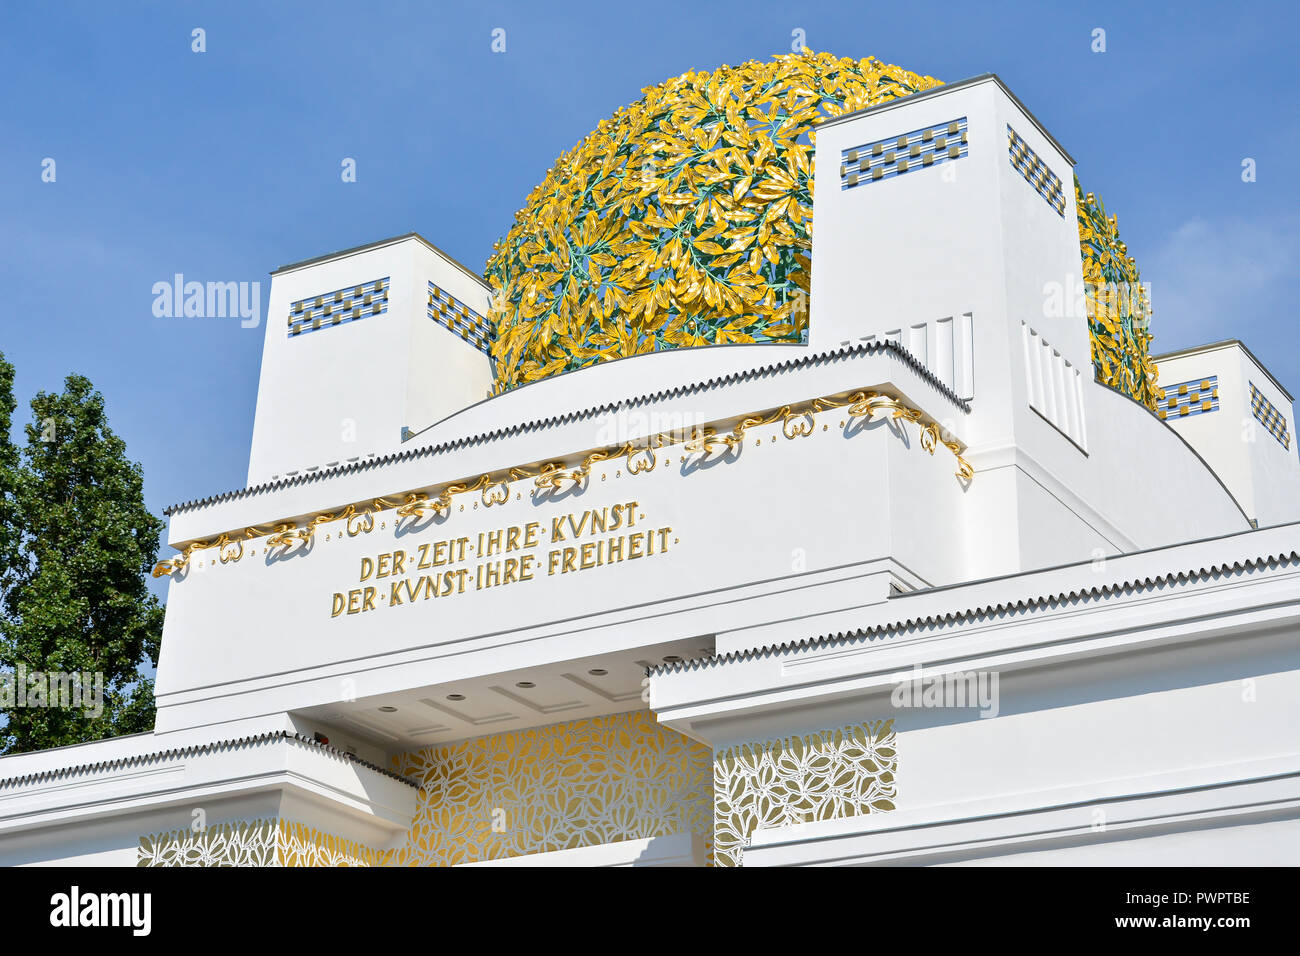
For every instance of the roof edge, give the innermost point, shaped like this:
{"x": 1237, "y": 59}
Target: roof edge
{"x": 379, "y": 244}
{"x": 1226, "y": 343}
{"x": 948, "y": 88}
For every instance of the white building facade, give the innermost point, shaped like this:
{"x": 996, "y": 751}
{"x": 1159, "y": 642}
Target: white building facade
{"x": 917, "y": 589}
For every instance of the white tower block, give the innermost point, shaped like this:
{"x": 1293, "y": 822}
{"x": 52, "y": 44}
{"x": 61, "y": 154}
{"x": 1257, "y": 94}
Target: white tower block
{"x": 944, "y": 245}
{"x": 1240, "y": 420}
{"x": 362, "y": 346}
{"x": 946, "y": 221}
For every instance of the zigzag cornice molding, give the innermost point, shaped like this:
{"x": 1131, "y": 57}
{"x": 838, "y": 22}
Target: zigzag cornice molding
{"x": 494, "y": 488}
{"x": 198, "y": 750}
{"x": 984, "y": 612}
{"x": 893, "y": 349}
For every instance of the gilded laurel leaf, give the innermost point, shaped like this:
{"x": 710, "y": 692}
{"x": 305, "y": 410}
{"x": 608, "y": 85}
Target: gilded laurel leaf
{"x": 1118, "y": 305}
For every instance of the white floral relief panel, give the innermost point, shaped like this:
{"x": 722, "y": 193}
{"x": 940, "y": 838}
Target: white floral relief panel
{"x": 252, "y": 843}
{"x": 821, "y": 776}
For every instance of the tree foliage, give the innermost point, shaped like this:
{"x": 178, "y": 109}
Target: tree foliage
{"x": 76, "y": 546}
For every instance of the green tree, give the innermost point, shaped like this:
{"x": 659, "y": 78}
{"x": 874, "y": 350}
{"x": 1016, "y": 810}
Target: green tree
{"x": 8, "y": 480}
{"x": 76, "y": 598}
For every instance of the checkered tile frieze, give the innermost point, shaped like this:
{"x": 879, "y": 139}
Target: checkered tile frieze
{"x": 342, "y": 305}
{"x": 1035, "y": 171}
{"x": 1269, "y": 416}
{"x": 457, "y": 317}
{"x": 1190, "y": 398}
{"x": 886, "y": 158}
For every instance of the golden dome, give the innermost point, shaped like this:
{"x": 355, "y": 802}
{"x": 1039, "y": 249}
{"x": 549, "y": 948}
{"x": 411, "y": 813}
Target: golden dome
{"x": 685, "y": 219}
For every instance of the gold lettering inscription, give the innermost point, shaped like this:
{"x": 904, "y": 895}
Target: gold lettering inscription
{"x": 497, "y": 558}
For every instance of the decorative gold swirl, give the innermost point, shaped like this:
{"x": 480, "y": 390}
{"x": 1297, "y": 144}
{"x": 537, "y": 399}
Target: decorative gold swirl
{"x": 872, "y": 404}
{"x": 227, "y": 556}
{"x": 636, "y": 464}
{"x": 707, "y": 441}
{"x": 797, "y": 424}
{"x": 497, "y": 491}
{"x": 415, "y": 506}
{"x": 553, "y": 477}
{"x": 365, "y": 521}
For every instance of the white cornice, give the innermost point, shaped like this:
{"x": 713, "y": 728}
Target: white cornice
{"x": 1224, "y": 795}
{"x": 1225, "y": 588}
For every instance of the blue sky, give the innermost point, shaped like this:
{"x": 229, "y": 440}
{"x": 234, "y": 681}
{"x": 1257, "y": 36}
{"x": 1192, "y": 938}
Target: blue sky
{"x": 225, "y": 165}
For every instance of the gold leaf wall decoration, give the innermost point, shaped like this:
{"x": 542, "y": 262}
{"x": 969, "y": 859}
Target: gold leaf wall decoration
{"x": 1119, "y": 307}
{"x": 575, "y": 784}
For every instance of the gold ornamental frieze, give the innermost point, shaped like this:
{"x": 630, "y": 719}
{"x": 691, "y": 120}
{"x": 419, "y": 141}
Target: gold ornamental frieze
{"x": 552, "y": 478}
